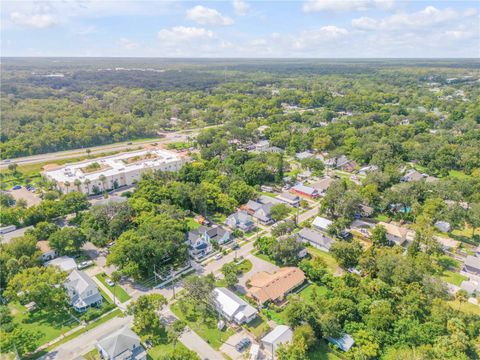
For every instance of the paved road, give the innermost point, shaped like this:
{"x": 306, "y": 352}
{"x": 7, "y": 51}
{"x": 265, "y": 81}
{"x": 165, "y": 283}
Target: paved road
{"x": 86, "y": 342}
{"x": 123, "y": 146}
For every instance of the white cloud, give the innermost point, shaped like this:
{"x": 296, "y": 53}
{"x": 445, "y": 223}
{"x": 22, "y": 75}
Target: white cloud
{"x": 241, "y": 7}
{"x": 128, "y": 44}
{"x": 184, "y": 33}
{"x": 206, "y": 16}
{"x": 39, "y": 21}
{"x": 345, "y": 5}
{"x": 459, "y": 34}
{"x": 426, "y": 18}
{"x": 317, "y": 37}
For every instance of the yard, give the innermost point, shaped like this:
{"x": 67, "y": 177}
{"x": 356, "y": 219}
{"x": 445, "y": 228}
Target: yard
{"x": 329, "y": 260}
{"x": 47, "y": 325}
{"x": 119, "y": 292}
{"x": 453, "y": 277}
{"x": 465, "y": 307}
{"x": 164, "y": 349}
{"x": 192, "y": 224}
{"x": 321, "y": 351}
{"x": 205, "y": 327}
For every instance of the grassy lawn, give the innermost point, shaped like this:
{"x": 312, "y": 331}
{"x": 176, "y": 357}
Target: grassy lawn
{"x": 47, "y": 325}
{"x": 192, "y": 224}
{"x": 258, "y": 327}
{"x": 245, "y": 266}
{"x": 458, "y": 174}
{"x": 453, "y": 277}
{"x": 205, "y": 327}
{"x": 92, "y": 355}
{"x": 113, "y": 314}
{"x": 218, "y": 218}
{"x": 321, "y": 351}
{"x": 382, "y": 217}
{"x": 264, "y": 257}
{"x": 119, "y": 292}
{"x": 163, "y": 348}
{"x": 465, "y": 307}
{"x": 466, "y": 232}
{"x": 329, "y": 260}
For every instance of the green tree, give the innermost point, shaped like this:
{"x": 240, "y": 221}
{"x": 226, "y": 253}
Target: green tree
{"x": 230, "y": 272}
{"x": 74, "y": 202}
{"x": 379, "y": 236}
{"x": 174, "y": 331}
{"x": 145, "y": 311}
{"x": 347, "y": 254}
{"x": 279, "y": 211}
{"x": 67, "y": 240}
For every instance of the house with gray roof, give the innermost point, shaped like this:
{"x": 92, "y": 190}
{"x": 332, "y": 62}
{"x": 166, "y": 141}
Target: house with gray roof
{"x": 289, "y": 199}
{"x": 200, "y": 240}
{"x": 472, "y": 265}
{"x": 123, "y": 344}
{"x": 261, "y": 212}
{"x": 82, "y": 291}
{"x": 240, "y": 220}
{"x": 316, "y": 239}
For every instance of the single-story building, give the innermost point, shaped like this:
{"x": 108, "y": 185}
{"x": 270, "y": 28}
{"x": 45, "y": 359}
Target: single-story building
{"x": 412, "y": 175}
{"x": 306, "y": 191}
{"x": 365, "y": 210}
{"x": 322, "y": 223}
{"x": 316, "y": 239}
{"x": 322, "y": 185}
{"x": 47, "y": 252}
{"x": 123, "y": 344}
{"x": 265, "y": 287}
{"x": 472, "y": 265}
{"x": 303, "y": 155}
{"x": 282, "y": 334}
{"x": 472, "y": 287}
{"x": 395, "y": 234}
{"x": 289, "y": 199}
{"x": 344, "y": 343}
{"x": 240, "y": 220}
{"x": 82, "y": 291}
{"x": 232, "y": 307}
{"x": 65, "y": 263}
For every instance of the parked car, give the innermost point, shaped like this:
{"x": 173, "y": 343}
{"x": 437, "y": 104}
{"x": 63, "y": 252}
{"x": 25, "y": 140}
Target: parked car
{"x": 243, "y": 344}
{"x": 235, "y": 246}
{"x": 109, "y": 282}
{"x": 218, "y": 257}
{"x": 345, "y": 235}
{"x": 84, "y": 264}
{"x": 110, "y": 244}
{"x": 17, "y": 187}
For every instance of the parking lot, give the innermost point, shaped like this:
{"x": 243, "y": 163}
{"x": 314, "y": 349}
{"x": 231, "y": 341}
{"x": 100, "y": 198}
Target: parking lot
{"x": 30, "y": 197}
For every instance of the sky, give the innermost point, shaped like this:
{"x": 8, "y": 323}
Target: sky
{"x": 242, "y": 28}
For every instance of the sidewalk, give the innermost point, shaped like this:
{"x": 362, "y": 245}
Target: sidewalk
{"x": 121, "y": 306}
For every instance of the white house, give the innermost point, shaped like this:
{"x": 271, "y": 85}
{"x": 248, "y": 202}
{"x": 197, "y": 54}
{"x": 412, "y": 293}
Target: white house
{"x": 232, "y": 307}
{"x": 82, "y": 290}
{"x": 240, "y": 220}
{"x": 321, "y": 223}
{"x": 113, "y": 171}
{"x": 65, "y": 263}
{"x": 282, "y": 334}
{"x": 123, "y": 344}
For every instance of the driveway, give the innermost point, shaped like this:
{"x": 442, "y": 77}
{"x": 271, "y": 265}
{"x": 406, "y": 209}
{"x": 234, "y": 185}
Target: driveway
{"x": 229, "y": 346}
{"x": 258, "y": 265}
{"x": 86, "y": 342}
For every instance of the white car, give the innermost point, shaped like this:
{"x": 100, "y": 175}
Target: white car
{"x": 84, "y": 264}
{"x": 218, "y": 257}
{"x": 109, "y": 282}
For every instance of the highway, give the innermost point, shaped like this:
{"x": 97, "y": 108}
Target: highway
{"x": 122, "y": 146}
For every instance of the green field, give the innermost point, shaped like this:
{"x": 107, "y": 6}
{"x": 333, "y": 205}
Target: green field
{"x": 163, "y": 348}
{"x": 120, "y": 293}
{"x": 205, "y": 327}
{"x": 192, "y": 224}
{"x": 329, "y": 260}
{"x": 48, "y": 326}
{"x": 453, "y": 277}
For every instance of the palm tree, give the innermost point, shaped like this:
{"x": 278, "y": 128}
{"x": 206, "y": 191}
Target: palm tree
{"x": 67, "y": 185}
{"x": 102, "y": 179}
{"x": 77, "y": 183}
{"x": 87, "y": 182}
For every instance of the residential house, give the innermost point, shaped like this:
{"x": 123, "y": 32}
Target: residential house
{"x": 82, "y": 291}
{"x": 265, "y": 287}
{"x": 304, "y": 155}
{"x": 123, "y": 344}
{"x": 472, "y": 265}
{"x": 365, "y": 210}
{"x": 240, "y": 220}
{"x": 367, "y": 169}
{"x": 316, "y": 239}
{"x": 307, "y": 174}
{"x": 65, "y": 263}
{"x": 344, "y": 164}
{"x": 396, "y": 234}
{"x": 305, "y": 191}
{"x": 232, "y": 307}
{"x": 282, "y": 334}
{"x": 289, "y": 199}
{"x": 472, "y": 287}
{"x": 412, "y": 175}
{"x": 322, "y": 185}
{"x": 264, "y": 199}
{"x": 262, "y": 146}
{"x": 200, "y": 240}
{"x": 47, "y": 252}
{"x": 344, "y": 342}
{"x": 322, "y": 223}
{"x": 261, "y": 212}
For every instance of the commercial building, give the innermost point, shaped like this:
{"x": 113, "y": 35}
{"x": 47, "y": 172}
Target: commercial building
{"x": 95, "y": 176}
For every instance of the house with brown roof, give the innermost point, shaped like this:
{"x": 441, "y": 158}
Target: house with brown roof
{"x": 397, "y": 234}
{"x": 265, "y": 287}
